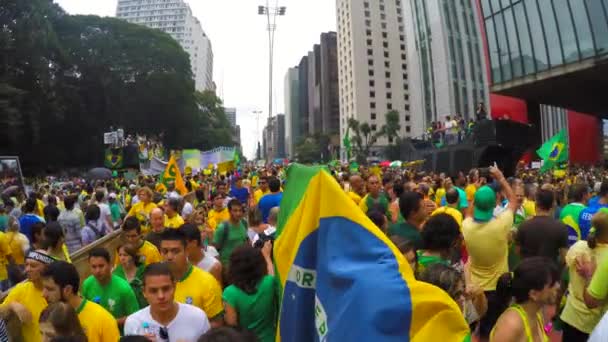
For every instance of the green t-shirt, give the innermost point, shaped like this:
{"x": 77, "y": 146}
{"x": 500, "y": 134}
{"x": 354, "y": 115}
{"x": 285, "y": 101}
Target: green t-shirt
{"x": 406, "y": 231}
{"x": 136, "y": 283}
{"x": 115, "y": 212}
{"x": 117, "y": 296}
{"x": 256, "y": 312}
{"x": 425, "y": 261}
{"x": 237, "y": 235}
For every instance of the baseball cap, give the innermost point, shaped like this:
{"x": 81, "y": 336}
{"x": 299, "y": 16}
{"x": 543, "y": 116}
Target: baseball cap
{"x": 485, "y": 202}
{"x": 112, "y": 195}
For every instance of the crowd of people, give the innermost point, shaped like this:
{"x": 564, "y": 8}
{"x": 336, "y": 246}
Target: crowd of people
{"x": 455, "y": 128}
{"x": 524, "y": 257}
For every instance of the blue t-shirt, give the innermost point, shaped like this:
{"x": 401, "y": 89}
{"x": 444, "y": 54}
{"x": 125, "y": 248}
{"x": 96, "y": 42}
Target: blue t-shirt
{"x": 268, "y": 202}
{"x": 584, "y": 221}
{"x": 26, "y": 222}
{"x": 241, "y": 194}
{"x": 593, "y": 201}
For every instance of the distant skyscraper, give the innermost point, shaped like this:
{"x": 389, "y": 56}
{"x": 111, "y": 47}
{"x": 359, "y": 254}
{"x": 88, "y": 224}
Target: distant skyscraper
{"x": 293, "y": 131}
{"x": 444, "y": 59}
{"x": 274, "y": 138}
{"x": 231, "y": 115}
{"x": 372, "y": 64}
{"x": 175, "y": 18}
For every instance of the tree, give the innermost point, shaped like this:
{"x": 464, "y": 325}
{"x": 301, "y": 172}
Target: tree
{"x": 308, "y": 150}
{"x": 392, "y": 127}
{"x": 363, "y": 139}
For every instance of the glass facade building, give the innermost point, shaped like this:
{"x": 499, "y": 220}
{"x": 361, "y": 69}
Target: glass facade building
{"x": 530, "y": 36}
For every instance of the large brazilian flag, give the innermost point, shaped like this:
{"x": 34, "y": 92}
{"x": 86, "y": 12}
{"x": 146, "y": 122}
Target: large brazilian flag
{"x": 342, "y": 279}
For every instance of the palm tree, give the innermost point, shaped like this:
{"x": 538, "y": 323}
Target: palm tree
{"x": 363, "y": 139}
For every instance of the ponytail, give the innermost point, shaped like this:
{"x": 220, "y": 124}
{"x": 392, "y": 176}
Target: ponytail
{"x": 504, "y": 289}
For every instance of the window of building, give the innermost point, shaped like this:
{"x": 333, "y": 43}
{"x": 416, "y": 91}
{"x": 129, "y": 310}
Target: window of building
{"x": 370, "y": 52}
{"x": 408, "y": 129}
{"x": 382, "y": 16}
{"x": 401, "y": 37}
{"x": 366, "y": 5}
{"x": 402, "y": 47}
{"x": 384, "y": 35}
{"x": 389, "y": 95}
{"x": 405, "y": 76}
{"x": 373, "y": 116}
{"x": 401, "y": 28}
{"x": 368, "y": 32}
{"x": 404, "y": 66}
{"x": 368, "y": 22}
{"x": 389, "y": 106}
{"x": 370, "y": 62}
{"x": 369, "y": 42}
{"x": 367, "y": 14}
{"x": 382, "y": 7}
{"x": 385, "y": 44}
{"x": 388, "y": 85}
{"x": 387, "y": 64}
{"x": 390, "y": 140}
{"x": 372, "y": 94}
{"x": 386, "y": 54}
{"x": 387, "y": 74}
{"x": 374, "y": 127}
{"x": 372, "y": 105}
{"x": 407, "y": 108}
{"x": 383, "y": 25}
{"x": 407, "y": 118}
{"x": 371, "y": 72}
{"x": 372, "y": 83}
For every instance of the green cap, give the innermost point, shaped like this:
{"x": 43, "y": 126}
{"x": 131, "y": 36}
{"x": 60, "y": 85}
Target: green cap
{"x": 485, "y": 202}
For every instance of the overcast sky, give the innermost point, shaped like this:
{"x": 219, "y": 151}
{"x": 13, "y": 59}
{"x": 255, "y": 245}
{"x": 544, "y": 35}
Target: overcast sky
{"x": 240, "y": 44}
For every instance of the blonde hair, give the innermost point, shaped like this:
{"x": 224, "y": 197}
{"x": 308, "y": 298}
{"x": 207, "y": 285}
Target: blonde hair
{"x": 147, "y": 190}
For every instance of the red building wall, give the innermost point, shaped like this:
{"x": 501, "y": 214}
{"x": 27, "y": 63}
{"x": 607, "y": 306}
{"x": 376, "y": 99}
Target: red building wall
{"x": 583, "y": 129}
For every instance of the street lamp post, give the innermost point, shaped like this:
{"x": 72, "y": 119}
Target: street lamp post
{"x": 271, "y": 14}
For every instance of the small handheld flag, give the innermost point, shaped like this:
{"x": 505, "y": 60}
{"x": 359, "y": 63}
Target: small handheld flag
{"x": 172, "y": 174}
{"x": 554, "y": 151}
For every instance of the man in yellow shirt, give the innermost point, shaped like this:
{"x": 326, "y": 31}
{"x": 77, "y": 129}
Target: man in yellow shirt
{"x": 219, "y": 213}
{"x": 172, "y": 217}
{"x": 262, "y": 189}
{"x": 26, "y": 299}
{"x": 148, "y": 253}
{"x": 452, "y": 200}
{"x": 194, "y": 286}
{"x": 61, "y": 283}
{"x": 357, "y": 188}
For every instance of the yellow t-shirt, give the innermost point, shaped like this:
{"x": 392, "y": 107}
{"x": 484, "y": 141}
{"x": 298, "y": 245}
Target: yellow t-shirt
{"x": 529, "y": 208}
{"x": 142, "y": 213}
{"x": 5, "y": 251}
{"x": 148, "y": 254}
{"x": 39, "y": 208}
{"x": 470, "y": 190}
{"x": 17, "y": 243}
{"x": 258, "y": 194}
{"x": 575, "y": 312}
{"x": 29, "y": 296}
{"x": 488, "y": 244}
{"x": 354, "y": 196}
{"x": 98, "y": 324}
{"x": 174, "y": 222}
{"x": 439, "y": 195}
{"x": 201, "y": 289}
{"x": 216, "y": 217}
{"x": 456, "y": 214}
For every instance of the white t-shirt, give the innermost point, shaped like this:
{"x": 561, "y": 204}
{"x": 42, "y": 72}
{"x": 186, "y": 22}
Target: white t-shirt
{"x": 189, "y": 324}
{"x": 105, "y": 214}
{"x": 207, "y": 262}
{"x": 600, "y": 333}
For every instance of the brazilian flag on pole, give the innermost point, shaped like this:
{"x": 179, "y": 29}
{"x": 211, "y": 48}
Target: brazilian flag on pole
{"x": 555, "y": 151}
{"x": 342, "y": 279}
{"x": 113, "y": 158}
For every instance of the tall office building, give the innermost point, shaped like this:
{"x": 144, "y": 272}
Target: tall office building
{"x": 372, "y": 64}
{"x": 274, "y": 138}
{"x": 293, "y": 131}
{"x": 444, "y": 59}
{"x": 175, "y": 18}
{"x": 231, "y": 115}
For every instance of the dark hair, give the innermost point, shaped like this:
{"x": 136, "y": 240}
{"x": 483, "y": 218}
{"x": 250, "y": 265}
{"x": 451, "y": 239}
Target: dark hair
{"x": 404, "y": 245}
{"x": 444, "y": 277}
{"x": 173, "y": 235}
{"x": 234, "y": 203}
{"x": 603, "y": 189}
{"x": 531, "y": 274}
{"x": 132, "y": 251}
{"x": 577, "y": 192}
{"x": 99, "y": 195}
{"x": 191, "y": 232}
{"x": 37, "y": 228}
{"x": 424, "y": 189}
{"x": 398, "y": 188}
{"x": 51, "y": 213}
{"x": 157, "y": 269}
{"x": 451, "y": 196}
{"x": 409, "y": 202}
{"x": 174, "y": 203}
{"x": 69, "y": 202}
{"x": 63, "y": 274}
{"x": 377, "y": 217}
{"x": 228, "y": 334}
{"x": 599, "y": 221}
{"x": 274, "y": 184}
{"x": 247, "y": 268}
{"x": 53, "y": 232}
{"x": 100, "y": 252}
{"x": 64, "y": 320}
{"x": 93, "y": 213}
{"x": 133, "y": 338}
{"x": 440, "y": 233}
{"x": 545, "y": 199}
{"x": 30, "y": 205}
{"x": 255, "y": 216}
{"x": 200, "y": 194}
{"x": 131, "y": 223}
{"x": 68, "y": 339}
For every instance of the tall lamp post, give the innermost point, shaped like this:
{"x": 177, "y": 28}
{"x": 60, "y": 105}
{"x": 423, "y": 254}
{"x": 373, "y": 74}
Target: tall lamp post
{"x": 271, "y": 14}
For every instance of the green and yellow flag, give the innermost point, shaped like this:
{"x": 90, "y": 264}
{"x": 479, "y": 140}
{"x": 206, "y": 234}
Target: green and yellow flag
{"x": 113, "y": 158}
{"x": 172, "y": 174}
{"x": 554, "y": 151}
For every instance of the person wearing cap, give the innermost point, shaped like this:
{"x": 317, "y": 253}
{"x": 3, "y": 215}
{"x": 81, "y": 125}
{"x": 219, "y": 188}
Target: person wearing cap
{"x": 114, "y": 208}
{"x": 25, "y": 300}
{"x": 487, "y": 240}
{"x": 219, "y": 213}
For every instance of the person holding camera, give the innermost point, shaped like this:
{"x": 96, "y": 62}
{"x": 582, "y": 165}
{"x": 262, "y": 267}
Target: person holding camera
{"x": 251, "y": 301}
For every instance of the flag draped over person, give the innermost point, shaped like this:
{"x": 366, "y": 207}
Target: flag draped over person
{"x": 172, "y": 174}
{"x": 554, "y": 151}
{"x": 341, "y": 277}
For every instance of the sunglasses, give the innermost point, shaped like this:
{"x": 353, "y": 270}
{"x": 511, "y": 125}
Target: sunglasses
{"x": 163, "y": 333}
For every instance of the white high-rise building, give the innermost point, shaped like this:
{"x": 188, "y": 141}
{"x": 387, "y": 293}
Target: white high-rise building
{"x": 231, "y": 115}
{"x": 175, "y": 18}
{"x": 445, "y": 58}
{"x": 372, "y": 64}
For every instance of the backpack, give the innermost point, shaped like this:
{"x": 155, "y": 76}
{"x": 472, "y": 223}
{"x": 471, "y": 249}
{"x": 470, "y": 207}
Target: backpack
{"x": 98, "y": 233}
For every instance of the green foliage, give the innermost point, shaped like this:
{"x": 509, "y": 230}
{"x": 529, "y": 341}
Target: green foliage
{"x": 64, "y": 80}
{"x": 363, "y": 139}
{"x": 392, "y": 127}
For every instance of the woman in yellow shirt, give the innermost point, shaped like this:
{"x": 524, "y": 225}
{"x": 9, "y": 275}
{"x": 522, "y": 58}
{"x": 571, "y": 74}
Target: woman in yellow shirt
{"x": 141, "y": 210}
